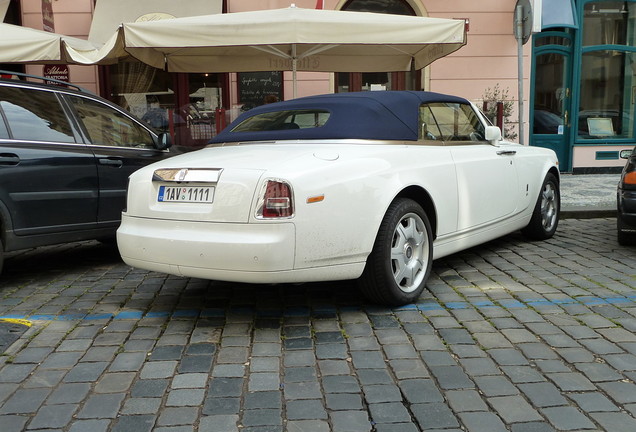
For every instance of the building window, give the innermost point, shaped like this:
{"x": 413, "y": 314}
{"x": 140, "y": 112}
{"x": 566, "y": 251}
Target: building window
{"x": 396, "y": 7}
{"x": 608, "y": 71}
{"x": 607, "y": 94}
{"x": 347, "y": 82}
{"x": 608, "y": 23}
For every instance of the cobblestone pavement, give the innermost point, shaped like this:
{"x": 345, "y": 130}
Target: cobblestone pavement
{"x": 511, "y": 336}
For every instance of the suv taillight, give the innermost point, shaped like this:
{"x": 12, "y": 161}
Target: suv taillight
{"x": 277, "y": 201}
{"x": 630, "y": 176}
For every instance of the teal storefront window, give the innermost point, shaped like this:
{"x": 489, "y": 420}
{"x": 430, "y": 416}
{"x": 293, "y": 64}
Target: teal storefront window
{"x": 606, "y": 106}
{"x": 608, "y": 23}
{"x": 608, "y": 71}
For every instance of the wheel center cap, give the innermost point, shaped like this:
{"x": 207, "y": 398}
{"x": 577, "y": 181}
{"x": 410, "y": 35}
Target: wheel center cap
{"x": 408, "y": 251}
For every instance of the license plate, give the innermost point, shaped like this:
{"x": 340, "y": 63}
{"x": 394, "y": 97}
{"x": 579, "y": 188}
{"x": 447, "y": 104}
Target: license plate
{"x": 192, "y": 194}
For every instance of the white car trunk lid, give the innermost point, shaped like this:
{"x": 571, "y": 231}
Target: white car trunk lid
{"x": 215, "y": 184}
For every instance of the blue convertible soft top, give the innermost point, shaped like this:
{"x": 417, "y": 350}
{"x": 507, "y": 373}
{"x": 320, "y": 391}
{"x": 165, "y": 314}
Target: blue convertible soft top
{"x": 390, "y": 115}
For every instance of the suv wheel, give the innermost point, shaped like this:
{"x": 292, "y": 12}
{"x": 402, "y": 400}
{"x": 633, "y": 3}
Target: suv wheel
{"x": 1, "y": 255}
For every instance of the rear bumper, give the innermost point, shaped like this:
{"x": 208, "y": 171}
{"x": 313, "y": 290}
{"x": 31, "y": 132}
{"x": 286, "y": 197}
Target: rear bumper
{"x": 227, "y": 246}
{"x": 251, "y": 253}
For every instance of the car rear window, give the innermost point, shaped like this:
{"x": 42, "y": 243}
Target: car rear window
{"x": 281, "y": 120}
{"x": 35, "y": 115}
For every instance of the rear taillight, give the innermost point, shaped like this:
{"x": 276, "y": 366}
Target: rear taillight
{"x": 630, "y": 178}
{"x": 276, "y": 201}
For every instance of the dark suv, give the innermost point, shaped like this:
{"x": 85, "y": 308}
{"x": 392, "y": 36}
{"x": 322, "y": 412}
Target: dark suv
{"x": 65, "y": 158}
{"x": 626, "y": 200}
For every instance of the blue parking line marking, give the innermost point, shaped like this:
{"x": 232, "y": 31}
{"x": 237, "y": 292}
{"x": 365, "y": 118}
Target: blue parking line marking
{"x": 43, "y": 317}
{"x": 96, "y": 317}
{"x": 564, "y": 301}
{"x": 592, "y": 301}
{"x": 428, "y": 305}
{"x": 618, "y": 300}
{"x": 71, "y": 317}
{"x": 161, "y": 314}
{"x": 186, "y": 313}
{"x": 129, "y": 315}
{"x": 483, "y": 303}
{"x": 508, "y": 304}
{"x": 533, "y": 302}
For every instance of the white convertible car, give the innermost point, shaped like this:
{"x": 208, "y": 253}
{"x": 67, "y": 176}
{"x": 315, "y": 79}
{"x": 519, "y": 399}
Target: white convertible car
{"x": 370, "y": 186}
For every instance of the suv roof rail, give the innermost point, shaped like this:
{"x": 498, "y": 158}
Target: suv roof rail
{"x": 3, "y": 74}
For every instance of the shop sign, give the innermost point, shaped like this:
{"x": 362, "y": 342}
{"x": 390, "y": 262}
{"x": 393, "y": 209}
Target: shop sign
{"x": 155, "y": 16}
{"x": 58, "y": 72}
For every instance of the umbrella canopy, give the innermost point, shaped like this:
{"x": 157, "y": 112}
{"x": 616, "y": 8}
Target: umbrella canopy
{"x": 26, "y": 45}
{"x": 294, "y": 39}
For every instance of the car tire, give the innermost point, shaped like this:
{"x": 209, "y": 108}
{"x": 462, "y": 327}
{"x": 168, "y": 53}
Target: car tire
{"x": 401, "y": 259}
{"x": 1, "y": 256}
{"x": 108, "y": 241}
{"x": 545, "y": 217}
{"x": 624, "y": 238}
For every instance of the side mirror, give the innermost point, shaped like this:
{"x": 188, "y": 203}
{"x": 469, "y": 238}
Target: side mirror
{"x": 164, "y": 141}
{"x": 493, "y": 134}
{"x": 625, "y": 154}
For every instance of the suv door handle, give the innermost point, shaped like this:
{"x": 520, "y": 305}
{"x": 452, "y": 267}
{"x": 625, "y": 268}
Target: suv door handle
{"x": 112, "y": 162}
{"x": 9, "y": 159}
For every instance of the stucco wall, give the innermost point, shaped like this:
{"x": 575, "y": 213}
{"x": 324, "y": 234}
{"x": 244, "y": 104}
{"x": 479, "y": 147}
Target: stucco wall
{"x": 72, "y": 18}
{"x": 489, "y": 57}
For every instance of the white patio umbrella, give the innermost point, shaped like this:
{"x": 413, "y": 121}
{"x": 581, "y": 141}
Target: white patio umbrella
{"x": 26, "y": 45}
{"x": 293, "y": 39}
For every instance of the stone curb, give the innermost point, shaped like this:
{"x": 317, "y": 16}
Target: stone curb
{"x": 587, "y": 212}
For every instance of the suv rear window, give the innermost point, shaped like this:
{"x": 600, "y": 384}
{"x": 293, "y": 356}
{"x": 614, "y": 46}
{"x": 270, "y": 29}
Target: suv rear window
{"x": 281, "y": 120}
{"x": 35, "y": 115}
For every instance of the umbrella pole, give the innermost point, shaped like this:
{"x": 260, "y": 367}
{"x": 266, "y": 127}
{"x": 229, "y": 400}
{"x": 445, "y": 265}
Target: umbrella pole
{"x": 294, "y": 66}
{"x": 413, "y": 75}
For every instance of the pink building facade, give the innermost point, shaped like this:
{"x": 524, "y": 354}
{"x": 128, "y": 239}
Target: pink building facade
{"x": 554, "y": 84}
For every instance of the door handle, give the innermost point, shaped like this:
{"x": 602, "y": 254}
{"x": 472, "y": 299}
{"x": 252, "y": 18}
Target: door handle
{"x": 111, "y": 162}
{"x": 9, "y": 159}
{"x": 506, "y": 152}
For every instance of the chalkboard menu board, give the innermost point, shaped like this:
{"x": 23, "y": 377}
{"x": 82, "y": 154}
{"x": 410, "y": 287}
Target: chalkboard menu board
{"x": 253, "y": 87}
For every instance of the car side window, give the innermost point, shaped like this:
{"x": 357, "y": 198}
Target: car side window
{"x": 452, "y": 122}
{"x": 35, "y": 115}
{"x": 428, "y": 126}
{"x": 109, "y": 127}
